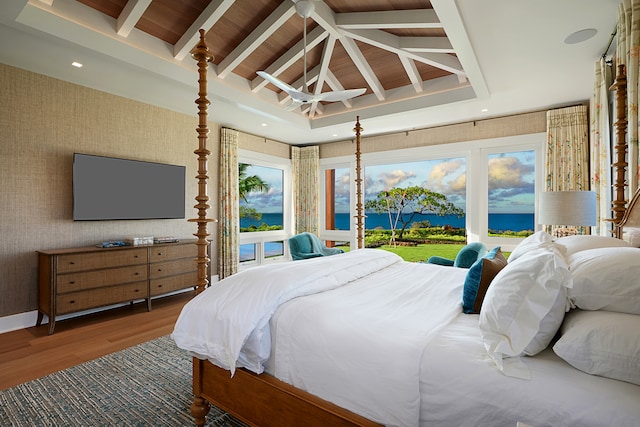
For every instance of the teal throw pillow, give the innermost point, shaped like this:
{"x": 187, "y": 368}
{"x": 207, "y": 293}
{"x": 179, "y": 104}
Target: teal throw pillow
{"x": 479, "y": 278}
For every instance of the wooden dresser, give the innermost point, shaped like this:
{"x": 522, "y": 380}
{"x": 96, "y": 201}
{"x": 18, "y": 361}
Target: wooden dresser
{"x": 77, "y": 279}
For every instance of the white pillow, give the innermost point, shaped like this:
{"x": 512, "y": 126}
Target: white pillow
{"x": 540, "y": 239}
{"x": 524, "y": 308}
{"x": 602, "y": 343}
{"x": 606, "y": 279}
{"x": 579, "y": 243}
{"x": 631, "y": 235}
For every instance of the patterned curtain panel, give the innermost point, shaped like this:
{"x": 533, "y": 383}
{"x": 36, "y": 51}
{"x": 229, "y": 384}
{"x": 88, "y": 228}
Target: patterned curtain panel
{"x": 229, "y": 221}
{"x": 305, "y": 170}
{"x": 567, "y": 151}
{"x": 627, "y": 51}
{"x": 601, "y": 147}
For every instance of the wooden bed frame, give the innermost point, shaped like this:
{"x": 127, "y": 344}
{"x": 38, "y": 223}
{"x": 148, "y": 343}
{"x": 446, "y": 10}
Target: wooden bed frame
{"x": 263, "y": 400}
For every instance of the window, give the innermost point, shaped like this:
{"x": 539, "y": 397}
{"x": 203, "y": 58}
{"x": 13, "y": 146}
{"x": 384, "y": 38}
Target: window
{"x": 494, "y": 181}
{"x": 511, "y": 192}
{"x": 265, "y": 207}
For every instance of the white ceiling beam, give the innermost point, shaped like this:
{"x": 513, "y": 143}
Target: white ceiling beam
{"x": 363, "y": 66}
{"x": 209, "y": 16}
{"x": 426, "y": 44}
{"x": 391, "y": 43}
{"x": 412, "y": 72}
{"x": 130, "y": 16}
{"x": 450, "y": 16}
{"x": 290, "y": 57}
{"x": 420, "y": 18}
{"x": 327, "y": 52}
{"x": 324, "y": 16}
{"x": 258, "y": 36}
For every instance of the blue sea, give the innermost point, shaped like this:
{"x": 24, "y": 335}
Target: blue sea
{"x": 497, "y": 222}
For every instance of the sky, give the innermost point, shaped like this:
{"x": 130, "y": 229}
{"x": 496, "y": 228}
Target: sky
{"x": 511, "y": 182}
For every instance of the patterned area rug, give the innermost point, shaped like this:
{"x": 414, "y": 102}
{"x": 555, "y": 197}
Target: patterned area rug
{"x": 145, "y": 385}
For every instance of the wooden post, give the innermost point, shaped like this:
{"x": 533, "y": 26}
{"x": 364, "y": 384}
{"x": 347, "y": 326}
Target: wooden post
{"x": 619, "y": 202}
{"x": 359, "y": 204}
{"x": 203, "y": 56}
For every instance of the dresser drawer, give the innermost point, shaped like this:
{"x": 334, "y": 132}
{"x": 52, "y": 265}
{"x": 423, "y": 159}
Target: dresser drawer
{"x": 71, "y": 282}
{"x": 162, "y": 253}
{"x": 82, "y": 300}
{"x": 170, "y": 268}
{"x": 172, "y": 283}
{"x": 89, "y": 261}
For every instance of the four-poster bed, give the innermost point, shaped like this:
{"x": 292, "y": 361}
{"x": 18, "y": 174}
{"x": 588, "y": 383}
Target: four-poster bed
{"x": 289, "y": 339}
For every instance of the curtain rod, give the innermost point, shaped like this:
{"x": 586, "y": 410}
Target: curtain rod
{"x": 613, "y": 35}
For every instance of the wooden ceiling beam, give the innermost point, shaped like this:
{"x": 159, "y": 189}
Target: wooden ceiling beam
{"x": 130, "y": 16}
{"x": 363, "y": 66}
{"x": 391, "y": 43}
{"x": 426, "y": 44}
{"x": 258, "y": 36}
{"x": 209, "y": 16}
{"x": 420, "y": 18}
{"x": 412, "y": 72}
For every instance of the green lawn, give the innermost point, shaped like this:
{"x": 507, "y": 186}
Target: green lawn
{"x": 423, "y": 252}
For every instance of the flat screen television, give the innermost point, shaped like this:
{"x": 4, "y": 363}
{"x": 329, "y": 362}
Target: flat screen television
{"x": 108, "y": 188}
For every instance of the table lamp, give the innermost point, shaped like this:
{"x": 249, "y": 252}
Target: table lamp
{"x": 567, "y": 210}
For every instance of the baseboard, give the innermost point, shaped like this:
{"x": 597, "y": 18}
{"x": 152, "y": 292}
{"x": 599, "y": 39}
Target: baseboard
{"x": 28, "y": 319}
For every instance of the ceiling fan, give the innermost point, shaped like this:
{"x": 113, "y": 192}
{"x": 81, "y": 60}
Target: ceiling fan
{"x": 305, "y": 8}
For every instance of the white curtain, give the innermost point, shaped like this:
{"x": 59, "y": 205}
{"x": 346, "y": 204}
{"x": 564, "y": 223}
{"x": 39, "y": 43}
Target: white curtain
{"x": 305, "y": 168}
{"x": 627, "y": 53}
{"x": 229, "y": 221}
{"x": 600, "y": 147}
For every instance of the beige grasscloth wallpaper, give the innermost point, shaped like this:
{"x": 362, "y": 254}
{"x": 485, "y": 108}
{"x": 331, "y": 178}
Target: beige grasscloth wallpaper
{"x": 44, "y": 121}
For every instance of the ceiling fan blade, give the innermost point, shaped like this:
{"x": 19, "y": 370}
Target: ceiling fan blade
{"x": 276, "y": 82}
{"x": 339, "y": 95}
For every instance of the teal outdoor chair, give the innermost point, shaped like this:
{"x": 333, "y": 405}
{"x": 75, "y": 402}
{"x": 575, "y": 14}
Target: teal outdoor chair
{"x": 307, "y": 245}
{"x": 466, "y": 257}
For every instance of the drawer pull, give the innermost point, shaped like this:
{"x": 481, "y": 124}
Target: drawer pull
{"x": 135, "y": 256}
{"x": 159, "y": 253}
{"x": 136, "y": 274}
{"x": 73, "y": 282}
{"x": 72, "y": 262}
{"x": 72, "y": 301}
{"x": 159, "y": 269}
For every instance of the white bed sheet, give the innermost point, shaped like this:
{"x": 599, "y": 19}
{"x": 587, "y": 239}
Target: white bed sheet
{"x": 360, "y": 345}
{"x": 460, "y": 386}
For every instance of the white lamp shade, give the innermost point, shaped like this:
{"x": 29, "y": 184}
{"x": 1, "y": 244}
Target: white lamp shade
{"x": 573, "y": 208}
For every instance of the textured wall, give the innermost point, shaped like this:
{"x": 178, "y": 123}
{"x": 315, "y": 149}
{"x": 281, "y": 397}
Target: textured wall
{"x": 44, "y": 121}
{"x": 521, "y": 124}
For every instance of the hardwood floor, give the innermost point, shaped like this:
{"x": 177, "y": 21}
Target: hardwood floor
{"x": 31, "y": 353}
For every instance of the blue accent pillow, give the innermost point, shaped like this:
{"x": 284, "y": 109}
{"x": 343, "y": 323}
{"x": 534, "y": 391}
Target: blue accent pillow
{"x": 469, "y": 254}
{"x": 479, "y": 278}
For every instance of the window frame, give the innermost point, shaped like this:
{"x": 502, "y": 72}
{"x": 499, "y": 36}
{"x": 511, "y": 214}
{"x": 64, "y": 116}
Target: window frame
{"x": 259, "y": 238}
{"x": 476, "y": 154}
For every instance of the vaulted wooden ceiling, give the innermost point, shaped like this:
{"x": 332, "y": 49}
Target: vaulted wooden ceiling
{"x": 422, "y": 62}
{"x": 393, "y": 48}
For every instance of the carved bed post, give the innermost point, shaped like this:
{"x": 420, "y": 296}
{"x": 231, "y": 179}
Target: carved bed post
{"x": 203, "y": 56}
{"x": 359, "y": 204}
{"x": 620, "y": 164}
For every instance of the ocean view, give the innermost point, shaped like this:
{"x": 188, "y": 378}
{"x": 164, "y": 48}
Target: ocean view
{"x": 497, "y": 222}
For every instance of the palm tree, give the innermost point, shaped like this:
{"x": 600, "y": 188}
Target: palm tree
{"x": 246, "y": 185}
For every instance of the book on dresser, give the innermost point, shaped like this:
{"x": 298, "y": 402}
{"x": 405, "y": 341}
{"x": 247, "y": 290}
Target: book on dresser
{"x": 77, "y": 279}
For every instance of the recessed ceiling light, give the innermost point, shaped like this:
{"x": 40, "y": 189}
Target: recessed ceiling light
{"x": 334, "y": 135}
{"x": 263, "y": 124}
{"x": 76, "y": 64}
{"x": 484, "y": 110}
{"x": 580, "y": 36}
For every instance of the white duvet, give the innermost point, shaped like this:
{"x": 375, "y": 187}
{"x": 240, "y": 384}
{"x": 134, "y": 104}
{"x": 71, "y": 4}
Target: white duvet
{"x": 228, "y": 323}
{"x": 355, "y": 339}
